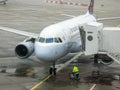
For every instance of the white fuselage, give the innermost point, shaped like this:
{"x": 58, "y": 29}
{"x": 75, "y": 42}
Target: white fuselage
{"x": 57, "y": 40}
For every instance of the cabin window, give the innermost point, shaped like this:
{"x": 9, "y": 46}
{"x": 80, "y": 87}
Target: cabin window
{"x": 49, "y": 40}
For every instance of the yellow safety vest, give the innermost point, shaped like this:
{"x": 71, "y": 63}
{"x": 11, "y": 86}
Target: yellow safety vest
{"x": 75, "y": 69}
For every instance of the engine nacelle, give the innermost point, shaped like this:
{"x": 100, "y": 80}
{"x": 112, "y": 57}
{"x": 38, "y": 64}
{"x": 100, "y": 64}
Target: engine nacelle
{"x": 24, "y": 49}
{"x": 104, "y": 59}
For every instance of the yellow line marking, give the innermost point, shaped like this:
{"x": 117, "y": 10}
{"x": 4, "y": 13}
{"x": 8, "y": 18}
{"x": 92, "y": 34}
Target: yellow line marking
{"x": 40, "y": 83}
{"x": 65, "y": 64}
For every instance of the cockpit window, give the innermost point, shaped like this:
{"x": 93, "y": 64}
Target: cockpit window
{"x": 42, "y": 39}
{"x": 49, "y": 40}
{"x": 56, "y": 40}
{"x": 60, "y": 40}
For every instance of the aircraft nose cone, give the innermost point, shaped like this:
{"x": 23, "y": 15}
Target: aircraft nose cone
{"x": 49, "y": 52}
{"x": 46, "y": 53}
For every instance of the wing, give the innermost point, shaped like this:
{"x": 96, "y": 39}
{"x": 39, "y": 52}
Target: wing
{"x": 109, "y": 18}
{"x": 24, "y": 33}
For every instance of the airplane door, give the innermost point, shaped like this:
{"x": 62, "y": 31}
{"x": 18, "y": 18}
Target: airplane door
{"x": 83, "y": 36}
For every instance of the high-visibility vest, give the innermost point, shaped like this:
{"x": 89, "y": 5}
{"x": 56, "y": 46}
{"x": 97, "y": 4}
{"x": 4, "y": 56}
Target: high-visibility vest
{"x": 75, "y": 69}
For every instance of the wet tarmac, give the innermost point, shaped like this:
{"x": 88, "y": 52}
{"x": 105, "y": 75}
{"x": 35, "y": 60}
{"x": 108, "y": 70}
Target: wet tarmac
{"x": 33, "y": 16}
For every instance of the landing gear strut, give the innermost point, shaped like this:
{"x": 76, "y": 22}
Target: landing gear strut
{"x": 53, "y": 70}
{"x": 96, "y": 59}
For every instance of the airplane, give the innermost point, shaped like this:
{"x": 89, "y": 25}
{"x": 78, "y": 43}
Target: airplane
{"x": 57, "y": 40}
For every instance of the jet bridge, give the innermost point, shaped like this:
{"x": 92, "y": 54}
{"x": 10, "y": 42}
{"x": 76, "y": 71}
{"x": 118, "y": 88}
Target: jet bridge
{"x": 103, "y": 41}
{"x": 90, "y": 37}
{"x": 111, "y": 42}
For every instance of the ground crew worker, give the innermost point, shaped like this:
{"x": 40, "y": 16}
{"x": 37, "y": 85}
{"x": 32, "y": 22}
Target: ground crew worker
{"x": 75, "y": 72}
{"x": 75, "y": 69}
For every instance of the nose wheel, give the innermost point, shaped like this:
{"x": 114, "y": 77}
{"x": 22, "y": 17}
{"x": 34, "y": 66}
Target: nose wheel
{"x": 52, "y": 70}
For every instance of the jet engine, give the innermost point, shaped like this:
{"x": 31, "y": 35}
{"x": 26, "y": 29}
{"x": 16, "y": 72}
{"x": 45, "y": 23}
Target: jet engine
{"x": 104, "y": 59}
{"x": 24, "y": 49}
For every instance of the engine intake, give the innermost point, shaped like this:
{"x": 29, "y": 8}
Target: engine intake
{"x": 24, "y": 49}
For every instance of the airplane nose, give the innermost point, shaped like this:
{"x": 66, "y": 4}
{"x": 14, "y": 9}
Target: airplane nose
{"x": 45, "y": 53}
{"x": 48, "y": 52}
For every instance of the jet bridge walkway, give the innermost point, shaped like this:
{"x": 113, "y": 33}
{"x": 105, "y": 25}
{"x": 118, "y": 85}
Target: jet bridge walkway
{"x": 111, "y": 43}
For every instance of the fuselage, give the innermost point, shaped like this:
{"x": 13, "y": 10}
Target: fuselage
{"x": 57, "y": 40}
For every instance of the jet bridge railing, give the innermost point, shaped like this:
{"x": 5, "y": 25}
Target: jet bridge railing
{"x": 115, "y": 57}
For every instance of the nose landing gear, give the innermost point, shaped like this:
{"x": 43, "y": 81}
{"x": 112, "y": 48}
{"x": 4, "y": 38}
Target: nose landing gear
{"x": 52, "y": 70}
